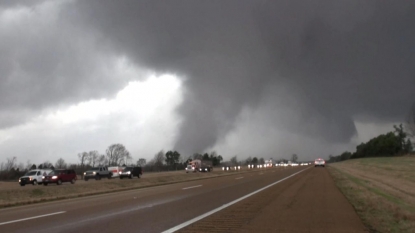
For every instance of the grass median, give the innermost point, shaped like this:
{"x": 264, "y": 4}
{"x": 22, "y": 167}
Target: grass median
{"x": 382, "y": 191}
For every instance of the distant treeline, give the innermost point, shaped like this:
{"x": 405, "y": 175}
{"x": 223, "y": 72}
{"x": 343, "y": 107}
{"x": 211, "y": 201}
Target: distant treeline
{"x": 390, "y": 144}
{"x": 116, "y": 155}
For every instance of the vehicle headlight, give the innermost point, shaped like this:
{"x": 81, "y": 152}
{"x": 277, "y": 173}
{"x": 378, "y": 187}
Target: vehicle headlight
{"x": 54, "y": 177}
{"x": 119, "y": 173}
{"x": 84, "y": 173}
{"x": 30, "y": 178}
{"x": 20, "y": 180}
{"x": 129, "y": 172}
{"x": 93, "y": 173}
{"x": 43, "y": 177}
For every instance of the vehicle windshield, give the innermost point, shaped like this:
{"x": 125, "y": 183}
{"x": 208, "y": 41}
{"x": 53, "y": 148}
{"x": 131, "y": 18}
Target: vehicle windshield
{"x": 56, "y": 172}
{"x": 31, "y": 173}
{"x": 128, "y": 169}
{"x": 189, "y": 166}
{"x": 95, "y": 169}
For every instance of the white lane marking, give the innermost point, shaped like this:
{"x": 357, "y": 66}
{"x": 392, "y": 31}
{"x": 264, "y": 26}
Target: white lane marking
{"x": 24, "y": 219}
{"x": 182, "y": 225}
{"x": 192, "y": 187}
{"x": 239, "y": 178}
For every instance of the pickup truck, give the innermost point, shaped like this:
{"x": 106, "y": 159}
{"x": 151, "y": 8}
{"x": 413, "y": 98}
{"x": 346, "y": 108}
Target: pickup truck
{"x": 97, "y": 173}
{"x": 33, "y": 176}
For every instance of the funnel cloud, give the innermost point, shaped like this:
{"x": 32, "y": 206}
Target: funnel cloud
{"x": 305, "y": 68}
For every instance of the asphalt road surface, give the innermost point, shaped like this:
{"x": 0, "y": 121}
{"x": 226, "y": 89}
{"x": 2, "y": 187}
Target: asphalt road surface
{"x": 298, "y": 199}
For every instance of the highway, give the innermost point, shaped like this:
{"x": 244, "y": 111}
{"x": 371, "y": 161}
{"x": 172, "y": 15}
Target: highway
{"x": 155, "y": 209}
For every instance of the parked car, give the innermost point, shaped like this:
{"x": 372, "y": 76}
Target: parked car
{"x": 60, "y": 176}
{"x": 131, "y": 172}
{"x": 33, "y": 177}
{"x": 319, "y": 163}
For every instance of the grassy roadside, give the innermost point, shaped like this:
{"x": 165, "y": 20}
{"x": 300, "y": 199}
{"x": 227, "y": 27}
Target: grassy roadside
{"x": 11, "y": 194}
{"x": 382, "y": 191}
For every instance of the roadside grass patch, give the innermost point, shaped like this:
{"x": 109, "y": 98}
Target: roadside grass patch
{"x": 375, "y": 189}
{"x": 37, "y": 193}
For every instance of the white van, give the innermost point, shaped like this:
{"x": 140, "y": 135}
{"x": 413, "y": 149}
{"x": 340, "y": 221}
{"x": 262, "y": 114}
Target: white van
{"x": 33, "y": 176}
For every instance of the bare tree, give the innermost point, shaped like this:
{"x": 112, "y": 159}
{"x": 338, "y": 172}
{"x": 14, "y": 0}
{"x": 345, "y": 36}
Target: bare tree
{"x": 83, "y": 157}
{"x": 141, "y": 162}
{"x": 45, "y": 164}
{"x": 102, "y": 160}
{"x": 20, "y": 167}
{"x": 234, "y": 160}
{"x": 115, "y": 153}
{"x": 10, "y": 163}
{"x": 248, "y": 160}
{"x": 158, "y": 160}
{"x": 28, "y": 165}
{"x": 60, "y": 163}
{"x": 93, "y": 158}
{"x": 125, "y": 158}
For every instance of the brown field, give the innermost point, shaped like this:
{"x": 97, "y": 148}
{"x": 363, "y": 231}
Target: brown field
{"x": 382, "y": 191}
{"x": 11, "y": 193}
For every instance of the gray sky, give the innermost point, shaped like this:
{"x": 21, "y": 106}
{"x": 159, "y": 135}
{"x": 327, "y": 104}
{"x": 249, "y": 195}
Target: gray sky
{"x": 246, "y": 78}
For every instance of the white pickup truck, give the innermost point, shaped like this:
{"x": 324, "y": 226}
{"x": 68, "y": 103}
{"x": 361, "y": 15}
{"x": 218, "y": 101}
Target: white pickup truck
{"x": 33, "y": 176}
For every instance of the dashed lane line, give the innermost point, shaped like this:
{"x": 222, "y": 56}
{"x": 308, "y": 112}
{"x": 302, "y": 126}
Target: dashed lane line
{"x": 25, "y": 219}
{"x": 192, "y": 187}
{"x": 185, "y": 224}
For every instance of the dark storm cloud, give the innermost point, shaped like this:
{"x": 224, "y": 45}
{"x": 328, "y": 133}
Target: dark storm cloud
{"x": 337, "y": 60}
{"x": 342, "y": 59}
{"x": 46, "y": 61}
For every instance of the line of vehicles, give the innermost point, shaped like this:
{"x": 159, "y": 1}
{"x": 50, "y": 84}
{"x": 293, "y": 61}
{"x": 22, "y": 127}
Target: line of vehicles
{"x": 59, "y": 176}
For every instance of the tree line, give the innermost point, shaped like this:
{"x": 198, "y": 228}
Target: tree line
{"x": 115, "y": 155}
{"x": 393, "y": 143}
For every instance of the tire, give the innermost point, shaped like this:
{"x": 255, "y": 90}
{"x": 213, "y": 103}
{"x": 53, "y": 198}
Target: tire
{"x": 86, "y": 179}
{"x": 110, "y": 176}
{"x": 130, "y": 177}
{"x": 121, "y": 177}
{"x": 138, "y": 176}
{"x": 45, "y": 184}
{"x": 97, "y": 177}
{"x": 35, "y": 182}
{"x": 22, "y": 185}
{"x": 59, "y": 182}
{"x": 73, "y": 181}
